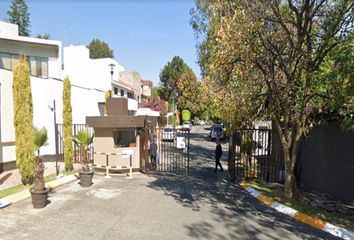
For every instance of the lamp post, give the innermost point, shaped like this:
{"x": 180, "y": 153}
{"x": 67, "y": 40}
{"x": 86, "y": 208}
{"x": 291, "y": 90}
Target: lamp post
{"x": 112, "y": 70}
{"x": 53, "y": 109}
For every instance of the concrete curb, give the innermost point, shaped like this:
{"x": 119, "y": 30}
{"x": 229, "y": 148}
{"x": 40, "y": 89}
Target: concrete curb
{"x": 11, "y": 199}
{"x": 314, "y": 222}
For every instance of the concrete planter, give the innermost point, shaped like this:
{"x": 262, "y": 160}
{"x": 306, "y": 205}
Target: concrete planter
{"x": 86, "y": 178}
{"x": 39, "y": 198}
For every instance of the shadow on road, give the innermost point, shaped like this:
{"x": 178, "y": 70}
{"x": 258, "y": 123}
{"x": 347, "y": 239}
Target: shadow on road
{"x": 243, "y": 216}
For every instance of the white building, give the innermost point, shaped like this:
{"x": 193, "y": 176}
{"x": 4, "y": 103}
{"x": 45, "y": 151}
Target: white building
{"x": 45, "y": 67}
{"x": 89, "y": 79}
{"x": 101, "y": 74}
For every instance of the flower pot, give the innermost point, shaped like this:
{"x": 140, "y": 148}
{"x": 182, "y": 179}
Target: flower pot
{"x": 86, "y": 178}
{"x": 39, "y": 198}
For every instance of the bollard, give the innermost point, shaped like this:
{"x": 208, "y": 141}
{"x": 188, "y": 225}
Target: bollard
{"x": 107, "y": 167}
{"x": 130, "y": 168}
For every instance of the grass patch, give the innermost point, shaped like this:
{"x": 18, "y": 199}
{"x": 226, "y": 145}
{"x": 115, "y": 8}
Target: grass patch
{"x": 275, "y": 191}
{"x": 18, "y": 188}
{"x": 11, "y": 190}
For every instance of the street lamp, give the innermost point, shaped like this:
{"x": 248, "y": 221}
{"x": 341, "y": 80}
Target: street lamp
{"x": 112, "y": 70}
{"x": 53, "y": 109}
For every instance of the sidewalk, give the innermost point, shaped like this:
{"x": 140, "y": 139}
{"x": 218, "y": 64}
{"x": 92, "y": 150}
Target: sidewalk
{"x": 12, "y": 178}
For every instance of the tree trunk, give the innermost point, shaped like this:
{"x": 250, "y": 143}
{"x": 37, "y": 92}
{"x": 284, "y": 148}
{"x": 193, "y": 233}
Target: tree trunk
{"x": 290, "y": 157}
{"x": 289, "y": 183}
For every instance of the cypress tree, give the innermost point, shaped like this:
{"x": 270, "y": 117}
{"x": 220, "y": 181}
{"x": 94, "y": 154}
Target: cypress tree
{"x": 23, "y": 120}
{"x": 107, "y": 94}
{"x": 67, "y": 122}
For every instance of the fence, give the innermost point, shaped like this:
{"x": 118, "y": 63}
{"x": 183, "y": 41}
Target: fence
{"x": 256, "y": 153}
{"x": 77, "y": 153}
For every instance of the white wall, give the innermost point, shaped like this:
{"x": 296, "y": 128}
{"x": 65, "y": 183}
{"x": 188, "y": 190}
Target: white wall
{"x": 86, "y": 72}
{"x": 44, "y": 91}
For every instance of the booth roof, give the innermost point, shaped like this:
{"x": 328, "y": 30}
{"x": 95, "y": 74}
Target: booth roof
{"x": 127, "y": 121}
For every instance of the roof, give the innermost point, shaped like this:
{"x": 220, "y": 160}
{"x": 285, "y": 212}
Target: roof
{"x": 127, "y": 121}
{"x": 146, "y": 82}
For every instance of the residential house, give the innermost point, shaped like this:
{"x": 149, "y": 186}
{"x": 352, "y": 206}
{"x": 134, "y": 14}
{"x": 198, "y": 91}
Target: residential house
{"x": 146, "y": 90}
{"x": 44, "y": 58}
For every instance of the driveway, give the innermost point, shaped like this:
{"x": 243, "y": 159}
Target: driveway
{"x": 202, "y": 205}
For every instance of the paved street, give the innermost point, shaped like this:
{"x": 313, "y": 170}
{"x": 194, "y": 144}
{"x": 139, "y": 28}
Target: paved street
{"x": 202, "y": 205}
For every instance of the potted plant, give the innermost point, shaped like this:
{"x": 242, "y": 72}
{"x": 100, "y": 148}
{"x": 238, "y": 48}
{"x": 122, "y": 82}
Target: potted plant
{"x": 39, "y": 192}
{"x": 83, "y": 139}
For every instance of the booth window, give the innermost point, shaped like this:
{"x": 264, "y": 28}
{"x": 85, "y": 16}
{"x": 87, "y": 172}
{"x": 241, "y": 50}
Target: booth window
{"x": 124, "y": 138}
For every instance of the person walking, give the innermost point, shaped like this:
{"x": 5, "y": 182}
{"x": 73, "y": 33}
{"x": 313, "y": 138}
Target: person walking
{"x": 218, "y": 154}
{"x": 153, "y": 154}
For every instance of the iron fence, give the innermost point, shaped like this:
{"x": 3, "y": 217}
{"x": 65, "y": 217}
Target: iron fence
{"x": 77, "y": 153}
{"x": 256, "y": 153}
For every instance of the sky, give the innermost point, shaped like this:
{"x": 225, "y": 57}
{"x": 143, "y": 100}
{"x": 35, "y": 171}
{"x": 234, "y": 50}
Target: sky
{"x": 144, "y": 34}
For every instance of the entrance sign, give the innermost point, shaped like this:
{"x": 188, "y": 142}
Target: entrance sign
{"x": 181, "y": 142}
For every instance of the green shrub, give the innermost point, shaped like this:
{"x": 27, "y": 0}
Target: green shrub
{"x": 23, "y": 120}
{"x": 67, "y": 125}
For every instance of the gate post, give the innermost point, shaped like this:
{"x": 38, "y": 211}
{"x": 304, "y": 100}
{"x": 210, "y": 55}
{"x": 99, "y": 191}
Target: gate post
{"x": 231, "y": 157}
{"x": 188, "y": 151}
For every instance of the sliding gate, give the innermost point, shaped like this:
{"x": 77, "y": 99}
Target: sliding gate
{"x": 172, "y": 150}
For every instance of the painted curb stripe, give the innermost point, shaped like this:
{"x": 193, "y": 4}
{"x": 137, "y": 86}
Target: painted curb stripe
{"x": 253, "y": 192}
{"x": 53, "y": 184}
{"x": 244, "y": 184}
{"x": 67, "y": 179}
{"x": 284, "y": 209}
{"x": 18, "y": 196}
{"x": 4, "y": 203}
{"x": 266, "y": 200}
{"x": 338, "y": 231}
{"x": 314, "y": 222}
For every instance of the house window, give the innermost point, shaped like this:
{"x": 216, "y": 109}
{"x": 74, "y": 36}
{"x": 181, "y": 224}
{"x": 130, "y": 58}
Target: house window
{"x": 122, "y": 92}
{"x": 5, "y": 61}
{"x": 124, "y": 138}
{"x": 130, "y": 95}
{"x": 38, "y": 65}
{"x": 115, "y": 91}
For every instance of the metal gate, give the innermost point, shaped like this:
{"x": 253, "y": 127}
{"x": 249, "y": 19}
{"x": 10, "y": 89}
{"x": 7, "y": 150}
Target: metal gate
{"x": 59, "y": 132}
{"x": 172, "y": 150}
{"x": 256, "y": 153}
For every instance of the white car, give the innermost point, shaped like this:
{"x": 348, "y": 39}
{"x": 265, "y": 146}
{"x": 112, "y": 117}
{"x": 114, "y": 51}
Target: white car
{"x": 186, "y": 125}
{"x": 217, "y": 132}
{"x": 202, "y": 122}
{"x": 168, "y": 133}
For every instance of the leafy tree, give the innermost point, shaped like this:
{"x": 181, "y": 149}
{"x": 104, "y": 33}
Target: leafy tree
{"x": 189, "y": 93}
{"x": 186, "y": 115}
{"x": 19, "y": 15}
{"x": 169, "y": 77}
{"x": 100, "y": 49}
{"x": 155, "y": 93}
{"x": 23, "y": 120}
{"x": 43, "y": 36}
{"x": 265, "y": 58}
{"x": 67, "y": 124}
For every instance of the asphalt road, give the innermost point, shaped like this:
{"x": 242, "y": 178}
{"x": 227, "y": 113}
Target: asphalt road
{"x": 200, "y": 205}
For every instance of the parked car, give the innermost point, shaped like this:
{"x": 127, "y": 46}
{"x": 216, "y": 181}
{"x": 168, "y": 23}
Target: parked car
{"x": 168, "y": 133}
{"x": 186, "y": 125}
{"x": 201, "y": 122}
{"x": 217, "y": 132}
